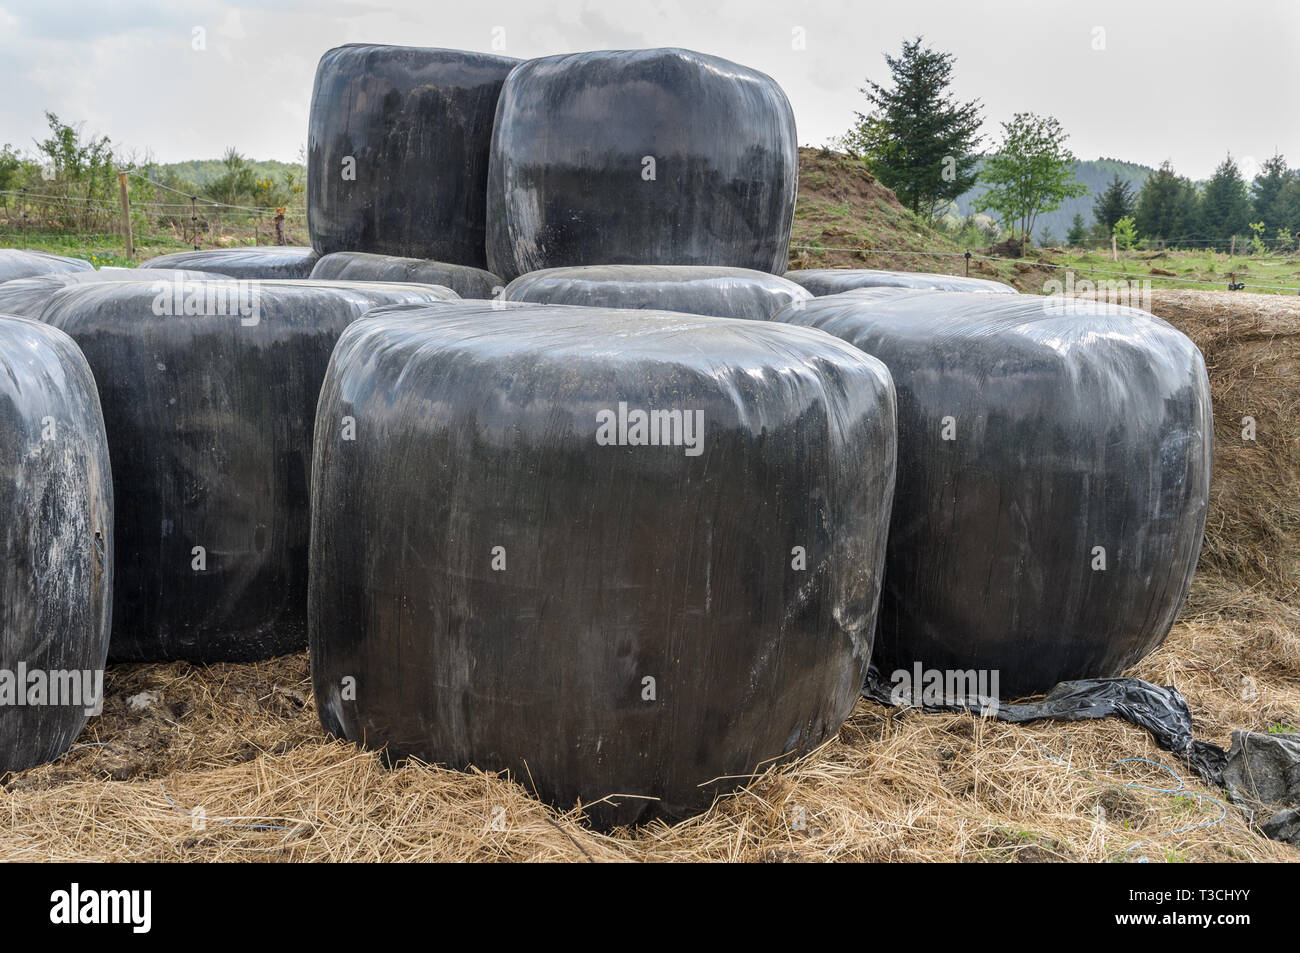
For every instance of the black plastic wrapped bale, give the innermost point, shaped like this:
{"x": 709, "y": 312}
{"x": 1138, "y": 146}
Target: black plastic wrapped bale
{"x": 693, "y": 289}
{"x": 27, "y": 297}
{"x": 640, "y": 157}
{"x": 209, "y": 393}
{"x": 830, "y": 281}
{"x": 18, "y": 263}
{"x": 1053, "y": 481}
{"x": 397, "y": 151}
{"x": 615, "y": 552}
{"x": 362, "y": 266}
{"x": 56, "y": 531}
{"x": 257, "y": 261}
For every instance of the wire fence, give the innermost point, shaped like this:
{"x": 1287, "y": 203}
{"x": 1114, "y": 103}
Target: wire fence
{"x": 150, "y": 213}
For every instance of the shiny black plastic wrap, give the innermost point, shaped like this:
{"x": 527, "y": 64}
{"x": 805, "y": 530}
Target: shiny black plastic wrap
{"x": 362, "y": 266}
{"x": 505, "y": 573}
{"x": 693, "y": 289}
{"x": 27, "y": 297}
{"x": 19, "y": 263}
{"x": 209, "y": 418}
{"x": 397, "y": 151}
{"x": 1053, "y": 480}
{"x": 56, "y": 532}
{"x": 640, "y": 157}
{"x": 830, "y": 281}
{"x": 252, "y": 262}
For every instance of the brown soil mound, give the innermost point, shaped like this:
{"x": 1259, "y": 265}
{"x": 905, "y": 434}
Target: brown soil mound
{"x": 1251, "y": 344}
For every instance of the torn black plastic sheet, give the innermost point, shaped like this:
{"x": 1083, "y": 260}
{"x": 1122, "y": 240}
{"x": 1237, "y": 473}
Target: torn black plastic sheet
{"x": 1257, "y": 771}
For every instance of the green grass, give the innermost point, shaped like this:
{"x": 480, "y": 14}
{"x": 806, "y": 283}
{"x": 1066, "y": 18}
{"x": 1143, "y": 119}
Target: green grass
{"x": 1202, "y": 270}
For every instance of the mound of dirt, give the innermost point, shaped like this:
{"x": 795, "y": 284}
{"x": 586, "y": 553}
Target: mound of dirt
{"x": 1251, "y": 344}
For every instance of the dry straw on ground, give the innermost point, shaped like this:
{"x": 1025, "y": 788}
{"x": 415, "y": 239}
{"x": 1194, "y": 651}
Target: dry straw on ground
{"x": 241, "y": 742}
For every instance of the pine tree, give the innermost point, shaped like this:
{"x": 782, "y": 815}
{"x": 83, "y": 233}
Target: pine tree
{"x": 1078, "y": 231}
{"x": 1225, "y": 205}
{"x": 1268, "y": 193}
{"x": 1167, "y": 207}
{"x": 918, "y": 140}
{"x": 1115, "y": 203}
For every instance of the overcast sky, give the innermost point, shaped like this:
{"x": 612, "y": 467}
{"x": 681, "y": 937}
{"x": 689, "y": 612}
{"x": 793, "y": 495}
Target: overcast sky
{"x": 1140, "y": 80}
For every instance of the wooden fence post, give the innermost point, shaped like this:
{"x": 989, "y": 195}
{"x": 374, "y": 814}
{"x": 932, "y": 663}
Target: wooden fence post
{"x": 126, "y": 214}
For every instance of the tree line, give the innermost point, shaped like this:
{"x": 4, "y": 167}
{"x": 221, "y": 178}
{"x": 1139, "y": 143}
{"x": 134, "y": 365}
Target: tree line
{"x": 924, "y": 144}
{"x": 70, "y": 180}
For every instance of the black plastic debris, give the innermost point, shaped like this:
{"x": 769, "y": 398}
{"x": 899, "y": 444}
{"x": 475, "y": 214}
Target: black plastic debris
{"x": 56, "y": 544}
{"x": 693, "y": 289}
{"x": 1053, "y": 480}
{"x": 1161, "y": 710}
{"x": 397, "y": 151}
{"x": 1264, "y": 768}
{"x": 252, "y": 262}
{"x": 27, "y": 297}
{"x": 640, "y": 157}
{"x": 361, "y": 266}
{"x": 830, "y": 281}
{"x": 19, "y": 263}
{"x": 1260, "y": 772}
{"x": 625, "y": 555}
{"x": 209, "y": 395}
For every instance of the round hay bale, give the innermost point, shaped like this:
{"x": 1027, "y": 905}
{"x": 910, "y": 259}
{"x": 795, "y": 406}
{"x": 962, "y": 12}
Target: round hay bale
{"x": 830, "y": 281}
{"x": 1053, "y": 481}
{"x": 56, "y": 544}
{"x": 361, "y": 266}
{"x": 618, "y": 553}
{"x": 17, "y": 263}
{"x": 692, "y": 289}
{"x": 253, "y": 262}
{"x": 397, "y": 151}
{"x": 640, "y": 157}
{"x": 209, "y": 394}
{"x": 27, "y": 297}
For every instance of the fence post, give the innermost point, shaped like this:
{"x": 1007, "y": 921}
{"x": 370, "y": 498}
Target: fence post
{"x": 968, "y": 263}
{"x": 1114, "y": 249}
{"x": 126, "y": 214}
{"x": 279, "y": 226}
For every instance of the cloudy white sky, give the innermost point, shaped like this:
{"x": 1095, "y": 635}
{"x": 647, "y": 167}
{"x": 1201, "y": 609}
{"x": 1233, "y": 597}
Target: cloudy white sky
{"x": 1140, "y": 80}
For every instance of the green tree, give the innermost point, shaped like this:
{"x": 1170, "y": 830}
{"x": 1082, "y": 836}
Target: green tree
{"x": 1225, "y": 205}
{"x": 1166, "y": 206}
{"x": 1113, "y": 204}
{"x": 1078, "y": 231}
{"x": 1268, "y": 191}
{"x": 1029, "y": 174}
{"x": 918, "y": 139}
{"x": 236, "y": 184}
{"x": 87, "y": 163}
{"x": 1125, "y": 232}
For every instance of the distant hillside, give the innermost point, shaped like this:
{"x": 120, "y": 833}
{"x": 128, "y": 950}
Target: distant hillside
{"x": 1096, "y": 174}
{"x": 200, "y": 172}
